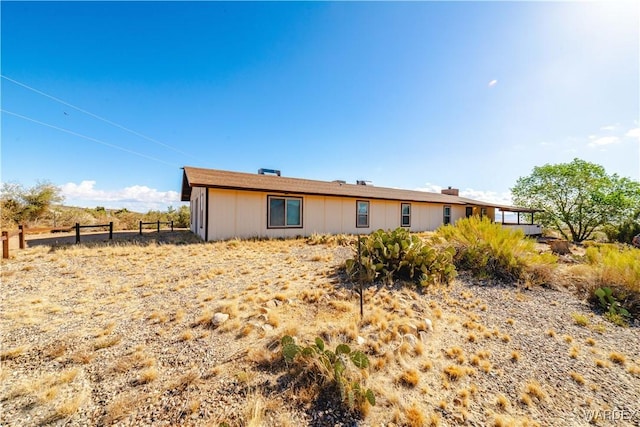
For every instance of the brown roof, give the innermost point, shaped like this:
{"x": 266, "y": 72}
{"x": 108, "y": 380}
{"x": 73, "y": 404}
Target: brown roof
{"x": 212, "y": 178}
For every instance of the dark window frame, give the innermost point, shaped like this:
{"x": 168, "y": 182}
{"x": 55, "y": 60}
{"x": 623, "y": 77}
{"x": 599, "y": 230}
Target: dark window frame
{"x": 403, "y": 215}
{"x": 446, "y": 219}
{"x": 285, "y": 198}
{"x": 358, "y": 213}
{"x": 468, "y": 211}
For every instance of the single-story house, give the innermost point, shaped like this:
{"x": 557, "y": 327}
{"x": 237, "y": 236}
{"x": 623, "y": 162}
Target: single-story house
{"x": 226, "y": 205}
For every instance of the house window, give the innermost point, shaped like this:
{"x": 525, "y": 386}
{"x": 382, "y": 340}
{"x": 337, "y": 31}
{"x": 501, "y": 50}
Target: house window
{"x": 483, "y": 212}
{"x": 284, "y": 212}
{"x": 468, "y": 211}
{"x": 447, "y": 215}
{"x": 201, "y": 213}
{"x": 405, "y": 209}
{"x": 362, "y": 214}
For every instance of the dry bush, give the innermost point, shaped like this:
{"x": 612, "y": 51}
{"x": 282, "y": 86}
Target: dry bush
{"x": 487, "y": 249}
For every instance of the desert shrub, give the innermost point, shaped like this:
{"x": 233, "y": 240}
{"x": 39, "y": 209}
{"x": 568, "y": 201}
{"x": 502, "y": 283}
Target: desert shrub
{"x": 329, "y": 239}
{"x": 400, "y": 254}
{"x": 616, "y": 268}
{"x": 487, "y": 249}
{"x": 624, "y": 231}
{"x": 339, "y": 373}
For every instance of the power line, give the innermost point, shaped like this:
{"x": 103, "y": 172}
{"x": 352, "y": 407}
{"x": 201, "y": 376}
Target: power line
{"x": 148, "y": 138}
{"x": 117, "y": 147}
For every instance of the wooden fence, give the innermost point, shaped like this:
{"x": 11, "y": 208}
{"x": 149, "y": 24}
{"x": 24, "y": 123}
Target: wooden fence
{"x": 23, "y": 230}
{"x": 78, "y": 227}
{"x": 6, "y": 235}
{"x": 157, "y": 224}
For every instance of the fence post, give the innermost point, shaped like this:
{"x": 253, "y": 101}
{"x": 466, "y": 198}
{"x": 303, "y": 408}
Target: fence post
{"x": 77, "y": 233}
{"x": 21, "y": 235}
{"x": 111, "y": 230}
{"x": 141, "y": 228}
{"x": 5, "y": 244}
{"x": 171, "y": 225}
{"x": 158, "y": 226}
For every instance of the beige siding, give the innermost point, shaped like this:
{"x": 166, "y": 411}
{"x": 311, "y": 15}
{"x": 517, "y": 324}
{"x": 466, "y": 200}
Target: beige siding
{"x": 243, "y": 214}
{"x": 198, "y": 201}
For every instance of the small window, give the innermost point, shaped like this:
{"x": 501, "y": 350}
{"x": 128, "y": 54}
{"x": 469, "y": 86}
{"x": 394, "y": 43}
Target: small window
{"x": 468, "y": 211}
{"x": 284, "y": 212}
{"x": 405, "y": 209}
{"x": 447, "y": 215}
{"x": 483, "y": 212}
{"x": 362, "y": 214}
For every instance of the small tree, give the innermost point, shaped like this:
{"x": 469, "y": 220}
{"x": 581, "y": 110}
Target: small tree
{"x": 577, "y": 196}
{"x": 181, "y": 217}
{"x": 21, "y": 205}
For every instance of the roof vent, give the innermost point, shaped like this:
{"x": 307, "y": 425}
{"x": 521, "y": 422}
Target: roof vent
{"x": 450, "y": 191}
{"x": 263, "y": 171}
{"x": 363, "y": 182}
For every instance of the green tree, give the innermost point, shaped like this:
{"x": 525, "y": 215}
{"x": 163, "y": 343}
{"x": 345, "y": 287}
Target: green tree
{"x": 20, "y": 205}
{"x": 181, "y": 217}
{"x": 577, "y": 197}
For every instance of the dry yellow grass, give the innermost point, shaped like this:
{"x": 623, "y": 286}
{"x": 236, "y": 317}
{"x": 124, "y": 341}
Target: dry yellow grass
{"x": 147, "y": 332}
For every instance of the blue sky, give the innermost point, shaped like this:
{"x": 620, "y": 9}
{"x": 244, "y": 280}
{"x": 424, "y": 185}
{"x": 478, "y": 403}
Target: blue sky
{"x": 415, "y": 95}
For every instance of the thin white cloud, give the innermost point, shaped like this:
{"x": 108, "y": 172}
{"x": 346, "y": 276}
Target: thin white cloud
{"x": 430, "y": 188}
{"x": 492, "y": 83}
{"x": 546, "y": 144}
{"x": 487, "y": 196}
{"x": 605, "y": 140}
{"x": 610, "y": 127}
{"x": 633, "y": 133}
{"x": 136, "y": 198}
{"x": 480, "y": 195}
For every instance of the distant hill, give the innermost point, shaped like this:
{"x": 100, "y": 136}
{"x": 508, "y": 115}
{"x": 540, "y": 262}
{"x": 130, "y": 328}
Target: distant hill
{"x": 123, "y": 219}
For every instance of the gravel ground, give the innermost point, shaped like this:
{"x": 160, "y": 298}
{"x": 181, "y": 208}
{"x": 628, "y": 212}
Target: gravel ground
{"x": 123, "y": 333}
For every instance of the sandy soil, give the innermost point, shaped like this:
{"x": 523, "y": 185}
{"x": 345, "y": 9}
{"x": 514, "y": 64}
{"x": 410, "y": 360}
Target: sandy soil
{"x": 123, "y": 333}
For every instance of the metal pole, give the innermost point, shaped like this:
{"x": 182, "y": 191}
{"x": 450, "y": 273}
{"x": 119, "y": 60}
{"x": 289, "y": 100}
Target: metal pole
{"x": 141, "y": 228}
{"x": 77, "y": 233}
{"x": 111, "y": 230}
{"x": 158, "y": 226}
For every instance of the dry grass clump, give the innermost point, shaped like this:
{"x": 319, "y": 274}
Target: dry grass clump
{"x": 106, "y": 342}
{"x": 634, "y": 370}
{"x": 580, "y": 319}
{"x": 415, "y": 417}
{"x": 13, "y": 353}
{"x": 456, "y": 372}
{"x": 617, "y": 358}
{"x": 578, "y": 378}
{"x": 121, "y": 406}
{"x": 66, "y": 409}
{"x": 409, "y": 378}
{"x": 147, "y": 375}
{"x": 502, "y": 402}
{"x": 532, "y": 390}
